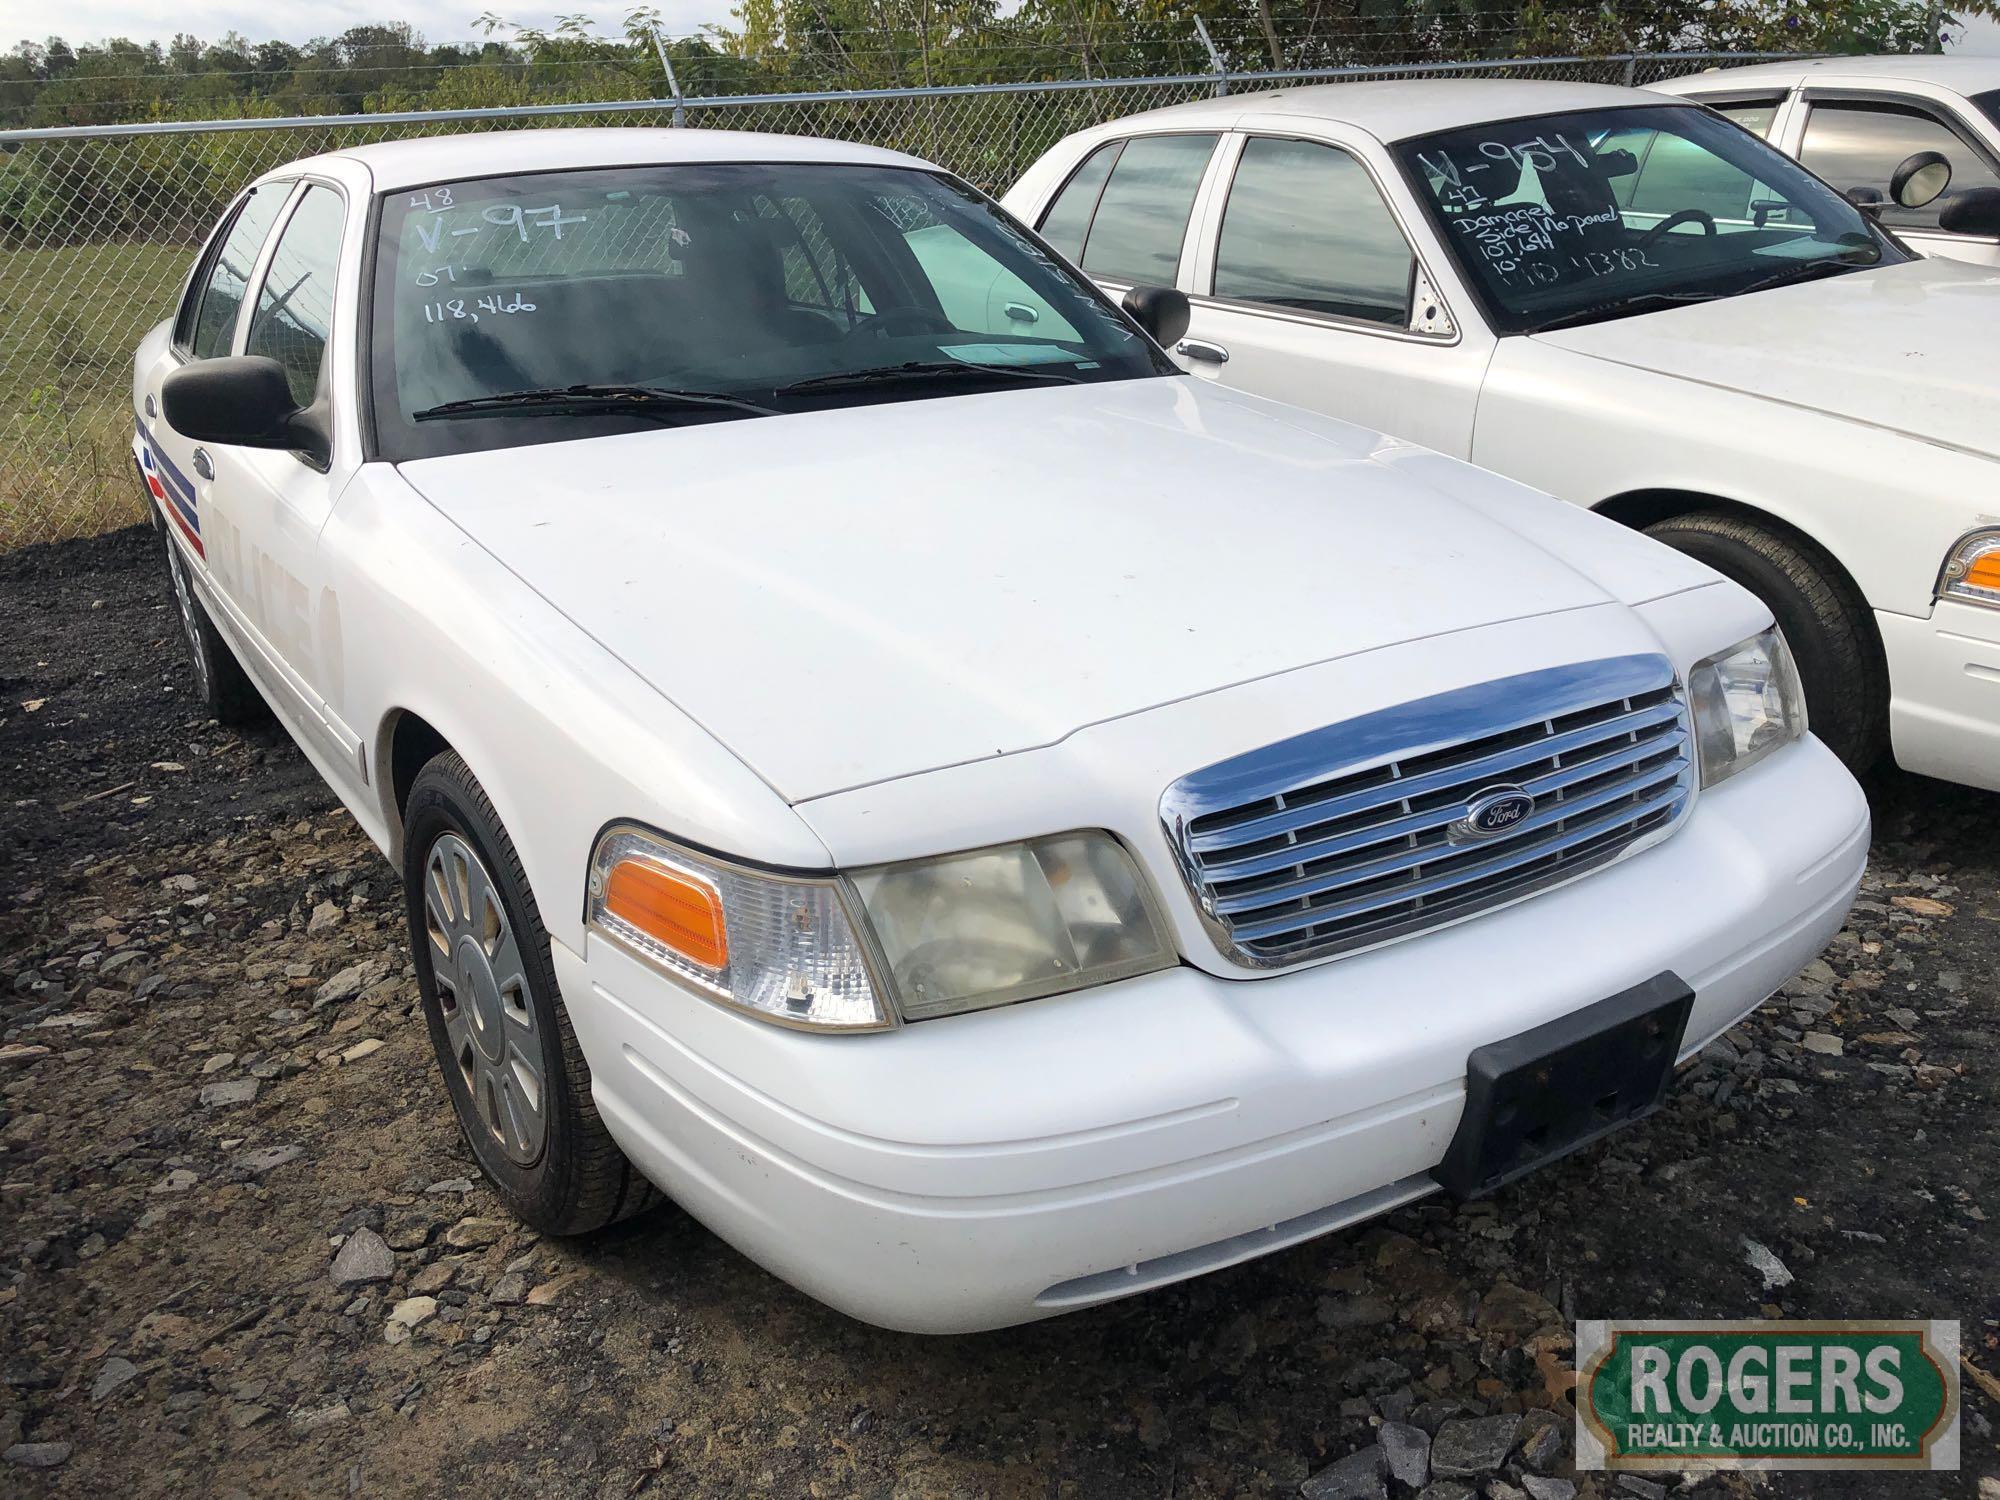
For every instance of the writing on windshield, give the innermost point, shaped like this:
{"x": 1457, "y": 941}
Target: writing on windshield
{"x": 551, "y": 304}
{"x": 1525, "y": 240}
{"x": 1561, "y": 216}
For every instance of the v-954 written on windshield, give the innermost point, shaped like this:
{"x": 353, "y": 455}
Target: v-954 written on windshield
{"x": 1574, "y": 217}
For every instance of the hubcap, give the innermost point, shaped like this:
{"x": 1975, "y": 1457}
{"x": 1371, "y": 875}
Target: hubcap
{"x": 482, "y": 990}
{"x": 190, "y": 621}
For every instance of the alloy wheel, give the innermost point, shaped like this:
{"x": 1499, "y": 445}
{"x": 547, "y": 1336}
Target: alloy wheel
{"x": 483, "y": 999}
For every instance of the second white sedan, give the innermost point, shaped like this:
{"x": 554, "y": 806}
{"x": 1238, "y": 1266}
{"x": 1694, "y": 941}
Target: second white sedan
{"x": 1624, "y": 300}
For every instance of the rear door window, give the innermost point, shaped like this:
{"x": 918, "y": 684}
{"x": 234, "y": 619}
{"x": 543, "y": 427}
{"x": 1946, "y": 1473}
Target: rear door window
{"x": 207, "y": 326}
{"x": 1068, "y": 218}
{"x": 295, "y": 304}
{"x": 1142, "y": 214}
{"x": 1754, "y": 115}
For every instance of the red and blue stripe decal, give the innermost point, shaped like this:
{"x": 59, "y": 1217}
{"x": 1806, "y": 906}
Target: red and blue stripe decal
{"x": 170, "y": 488}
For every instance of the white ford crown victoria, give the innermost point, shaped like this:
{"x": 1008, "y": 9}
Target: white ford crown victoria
{"x": 985, "y": 821}
{"x": 1621, "y": 299}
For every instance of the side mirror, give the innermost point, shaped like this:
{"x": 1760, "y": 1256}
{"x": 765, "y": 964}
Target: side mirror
{"x": 243, "y": 400}
{"x": 1973, "y": 211}
{"x": 1919, "y": 179}
{"x": 1160, "y": 310}
{"x": 1619, "y": 163}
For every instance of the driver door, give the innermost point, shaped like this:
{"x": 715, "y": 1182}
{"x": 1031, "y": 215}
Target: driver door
{"x": 1309, "y": 287}
{"x": 265, "y": 507}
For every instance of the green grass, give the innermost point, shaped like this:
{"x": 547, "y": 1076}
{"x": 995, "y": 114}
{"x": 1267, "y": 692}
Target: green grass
{"x": 70, "y": 318}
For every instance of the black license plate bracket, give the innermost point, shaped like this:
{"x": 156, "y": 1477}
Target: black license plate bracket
{"x": 1533, "y": 1098}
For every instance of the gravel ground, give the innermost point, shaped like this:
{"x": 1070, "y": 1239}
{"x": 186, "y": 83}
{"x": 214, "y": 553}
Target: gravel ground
{"x": 242, "y": 1248}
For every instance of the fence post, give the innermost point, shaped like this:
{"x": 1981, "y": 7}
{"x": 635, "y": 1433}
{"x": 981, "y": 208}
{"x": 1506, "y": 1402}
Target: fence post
{"x": 673, "y": 83}
{"x": 1632, "y": 70}
{"x": 1214, "y": 58}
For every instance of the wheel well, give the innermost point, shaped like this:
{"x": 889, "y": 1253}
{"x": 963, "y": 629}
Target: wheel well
{"x": 413, "y": 744}
{"x": 1642, "y": 508}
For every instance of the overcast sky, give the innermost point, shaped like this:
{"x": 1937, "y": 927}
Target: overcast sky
{"x": 438, "y": 20}
{"x": 299, "y": 20}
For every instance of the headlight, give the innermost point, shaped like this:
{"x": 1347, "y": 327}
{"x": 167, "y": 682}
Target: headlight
{"x": 1972, "y": 572}
{"x": 926, "y": 938}
{"x": 779, "y": 946}
{"x": 1747, "y": 702}
{"x": 1010, "y": 923}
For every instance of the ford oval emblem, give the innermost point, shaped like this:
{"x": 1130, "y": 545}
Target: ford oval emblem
{"x": 1496, "y": 810}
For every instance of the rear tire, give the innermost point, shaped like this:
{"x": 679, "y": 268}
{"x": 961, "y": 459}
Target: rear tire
{"x": 1826, "y": 622}
{"x": 517, "y": 1080}
{"x": 224, "y": 688}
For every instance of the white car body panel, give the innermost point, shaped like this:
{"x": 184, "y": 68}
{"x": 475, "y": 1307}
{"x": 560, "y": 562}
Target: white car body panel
{"x": 821, "y": 640}
{"x": 1941, "y": 82}
{"x": 1857, "y": 410}
{"x": 824, "y": 567}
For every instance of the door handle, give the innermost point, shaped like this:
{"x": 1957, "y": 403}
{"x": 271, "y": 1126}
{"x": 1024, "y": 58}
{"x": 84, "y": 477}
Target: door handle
{"x": 1201, "y": 349}
{"x": 202, "y": 465}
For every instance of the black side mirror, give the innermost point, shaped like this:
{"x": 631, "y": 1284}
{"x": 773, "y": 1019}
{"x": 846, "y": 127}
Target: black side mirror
{"x": 1972, "y": 211}
{"x": 1919, "y": 179}
{"x": 243, "y": 400}
{"x": 1160, "y": 310}
{"x": 1618, "y": 163}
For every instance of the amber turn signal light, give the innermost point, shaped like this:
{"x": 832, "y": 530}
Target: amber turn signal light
{"x": 675, "y": 910}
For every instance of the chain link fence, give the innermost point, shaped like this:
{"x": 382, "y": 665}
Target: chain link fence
{"x": 98, "y": 225}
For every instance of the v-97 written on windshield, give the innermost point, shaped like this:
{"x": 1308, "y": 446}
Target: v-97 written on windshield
{"x": 1524, "y": 242}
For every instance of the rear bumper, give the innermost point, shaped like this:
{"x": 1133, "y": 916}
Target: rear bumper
{"x": 990, "y": 1169}
{"x": 1944, "y": 692}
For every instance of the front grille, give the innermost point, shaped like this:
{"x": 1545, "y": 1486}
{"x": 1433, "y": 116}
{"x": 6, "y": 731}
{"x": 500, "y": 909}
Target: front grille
{"x": 1343, "y": 837}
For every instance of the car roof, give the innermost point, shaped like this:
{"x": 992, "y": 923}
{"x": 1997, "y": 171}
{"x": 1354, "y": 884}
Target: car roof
{"x": 451, "y": 158}
{"x": 1965, "y": 73}
{"x": 1393, "y": 109}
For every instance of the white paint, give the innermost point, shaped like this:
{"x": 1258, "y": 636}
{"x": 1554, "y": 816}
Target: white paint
{"x": 1857, "y": 410}
{"x": 829, "y": 639}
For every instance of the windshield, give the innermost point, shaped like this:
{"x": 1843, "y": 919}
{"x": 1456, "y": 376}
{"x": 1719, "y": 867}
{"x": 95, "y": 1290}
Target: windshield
{"x": 705, "y": 292}
{"x": 1571, "y": 218}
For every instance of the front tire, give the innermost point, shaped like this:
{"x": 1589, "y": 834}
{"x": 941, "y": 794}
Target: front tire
{"x": 518, "y": 1082}
{"x": 1826, "y": 622}
{"x": 224, "y": 688}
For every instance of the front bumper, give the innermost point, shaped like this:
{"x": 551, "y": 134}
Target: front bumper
{"x": 1944, "y": 691}
{"x": 994, "y": 1168}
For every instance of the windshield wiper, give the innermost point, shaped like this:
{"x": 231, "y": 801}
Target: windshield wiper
{"x": 921, "y": 370}
{"x": 1651, "y": 301}
{"x": 1603, "y": 311}
{"x": 638, "y": 400}
{"x": 1808, "y": 271}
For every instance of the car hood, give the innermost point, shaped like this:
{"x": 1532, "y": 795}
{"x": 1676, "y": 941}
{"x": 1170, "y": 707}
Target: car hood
{"x": 848, "y": 596}
{"x": 1906, "y": 347}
